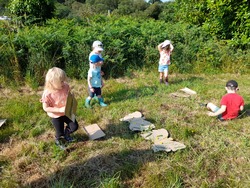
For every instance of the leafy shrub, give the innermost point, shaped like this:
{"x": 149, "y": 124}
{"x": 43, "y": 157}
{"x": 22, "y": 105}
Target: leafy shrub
{"x": 129, "y": 43}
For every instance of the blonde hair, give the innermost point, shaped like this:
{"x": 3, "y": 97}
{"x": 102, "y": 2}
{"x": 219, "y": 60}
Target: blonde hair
{"x": 54, "y": 77}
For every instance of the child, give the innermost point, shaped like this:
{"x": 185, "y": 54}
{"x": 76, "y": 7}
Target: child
{"x": 54, "y": 100}
{"x": 97, "y": 48}
{"x": 165, "y": 49}
{"x": 231, "y": 103}
{"x": 95, "y": 82}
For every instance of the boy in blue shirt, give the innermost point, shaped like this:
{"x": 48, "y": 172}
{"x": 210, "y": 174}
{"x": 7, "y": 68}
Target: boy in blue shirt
{"x": 95, "y": 82}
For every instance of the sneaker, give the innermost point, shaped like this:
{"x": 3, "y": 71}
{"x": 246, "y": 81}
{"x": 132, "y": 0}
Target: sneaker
{"x": 95, "y": 98}
{"x": 69, "y": 139}
{"x": 59, "y": 143}
{"x": 203, "y": 104}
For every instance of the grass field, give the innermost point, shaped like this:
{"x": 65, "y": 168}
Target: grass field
{"x": 217, "y": 153}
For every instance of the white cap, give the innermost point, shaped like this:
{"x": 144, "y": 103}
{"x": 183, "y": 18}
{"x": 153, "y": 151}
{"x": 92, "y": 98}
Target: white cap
{"x": 165, "y": 43}
{"x": 97, "y": 45}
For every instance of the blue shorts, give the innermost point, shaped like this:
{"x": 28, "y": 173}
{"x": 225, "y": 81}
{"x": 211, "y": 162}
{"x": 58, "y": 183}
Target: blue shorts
{"x": 219, "y": 116}
{"x": 163, "y": 68}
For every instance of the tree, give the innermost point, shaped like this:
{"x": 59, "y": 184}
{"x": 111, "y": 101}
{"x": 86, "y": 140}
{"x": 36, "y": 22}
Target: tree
{"x": 223, "y": 19}
{"x": 31, "y": 11}
{"x": 3, "y": 4}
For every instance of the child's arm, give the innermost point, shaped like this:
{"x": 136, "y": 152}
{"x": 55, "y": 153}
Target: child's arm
{"x": 218, "y": 112}
{"x": 241, "y": 108}
{"x": 50, "y": 109}
{"x": 160, "y": 47}
{"x": 89, "y": 84}
{"x": 102, "y": 82}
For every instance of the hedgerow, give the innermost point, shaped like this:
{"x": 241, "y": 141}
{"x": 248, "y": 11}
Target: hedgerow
{"x": 26, "y": 53}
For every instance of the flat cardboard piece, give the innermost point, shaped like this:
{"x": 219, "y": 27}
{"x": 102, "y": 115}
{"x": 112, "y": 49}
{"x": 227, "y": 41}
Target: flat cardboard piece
{"x": 188, "y": 91}
{"x": 176, "y": 94}
{"x": 2, "y": 121}
{"x": 129, "y": 117}
{"x": 94, "y": 132}
{"x": 139, "y": 124}
{"x": 71, "y": 106}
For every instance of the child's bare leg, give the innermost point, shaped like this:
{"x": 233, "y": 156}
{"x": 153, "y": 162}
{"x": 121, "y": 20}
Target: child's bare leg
{"x": 161, "y": 77}
{"x": 166, "y": 76}
{"x": 211, "y": 106}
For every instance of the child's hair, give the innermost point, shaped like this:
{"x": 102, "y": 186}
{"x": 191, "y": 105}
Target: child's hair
{"x": 54, "y": 76}
{"x": 232, "y": 85}
{"x": 167, "y": 47}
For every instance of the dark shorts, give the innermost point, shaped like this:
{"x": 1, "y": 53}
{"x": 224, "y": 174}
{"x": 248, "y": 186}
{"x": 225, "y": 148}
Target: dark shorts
{"x": 97, "y": 91}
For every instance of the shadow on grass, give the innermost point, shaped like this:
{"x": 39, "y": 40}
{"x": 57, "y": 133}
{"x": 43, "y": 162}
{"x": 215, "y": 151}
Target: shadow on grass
{"x": 6, "y": 131}
{"x": 188, "y": 80}
{"x": 100, "y": 168}
{"x": 122, "y": 166}
{"x": 144, "y": 91}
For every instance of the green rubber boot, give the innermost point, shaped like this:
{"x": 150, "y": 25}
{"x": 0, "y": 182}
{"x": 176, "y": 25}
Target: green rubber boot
{"x": 101, "y": 102}
{"x": 96, "y": 98}
{"x": 87, "y": 103}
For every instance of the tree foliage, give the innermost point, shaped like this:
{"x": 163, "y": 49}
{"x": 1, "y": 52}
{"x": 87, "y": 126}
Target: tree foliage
{"x": 32, "y": 10}
{"x": 222, "y": 18}
{"x": 209, "y": 36}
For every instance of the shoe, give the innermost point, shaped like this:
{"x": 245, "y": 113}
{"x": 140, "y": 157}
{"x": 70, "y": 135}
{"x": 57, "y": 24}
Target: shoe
{"x": 101, "y": 102}
{"x": 87, "y": 103}
{"x": 69, "y": 139}
{"x": 166, "y": 83}
{"x": 203, "y": 104}
{"x": 161, "y": 81}
{"x": 59, "y": 143}
{"x": 95, "y": 98}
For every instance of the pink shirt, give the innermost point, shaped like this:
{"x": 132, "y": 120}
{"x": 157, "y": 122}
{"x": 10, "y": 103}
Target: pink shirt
{"x": 164, "y": 58}
{"x": 56, "y": 99}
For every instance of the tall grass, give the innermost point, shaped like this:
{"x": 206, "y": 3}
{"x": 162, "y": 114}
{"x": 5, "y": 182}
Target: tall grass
{"x": 216, "y": 154}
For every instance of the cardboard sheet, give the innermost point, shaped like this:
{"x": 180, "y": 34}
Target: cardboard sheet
{"x": 2, "y": 121}
{"x": 71, "y": 106}
{"x": 94, "y": 131}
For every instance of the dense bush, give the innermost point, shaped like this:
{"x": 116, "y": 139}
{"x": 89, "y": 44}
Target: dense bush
{"x": 129, "y": 43}
{"x": 31, "y": 11}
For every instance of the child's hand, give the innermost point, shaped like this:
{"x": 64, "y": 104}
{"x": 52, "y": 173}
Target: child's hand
{"x": 210, "y": 114}
{"x": 92, "y": 89}
{"x": 62, "y": 109}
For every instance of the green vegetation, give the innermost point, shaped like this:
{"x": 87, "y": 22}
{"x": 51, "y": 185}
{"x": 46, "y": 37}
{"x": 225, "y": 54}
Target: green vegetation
{"x": 202, "y": 44}
{"x": 211, "y": 40}
{"x": 216, "y": 155}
